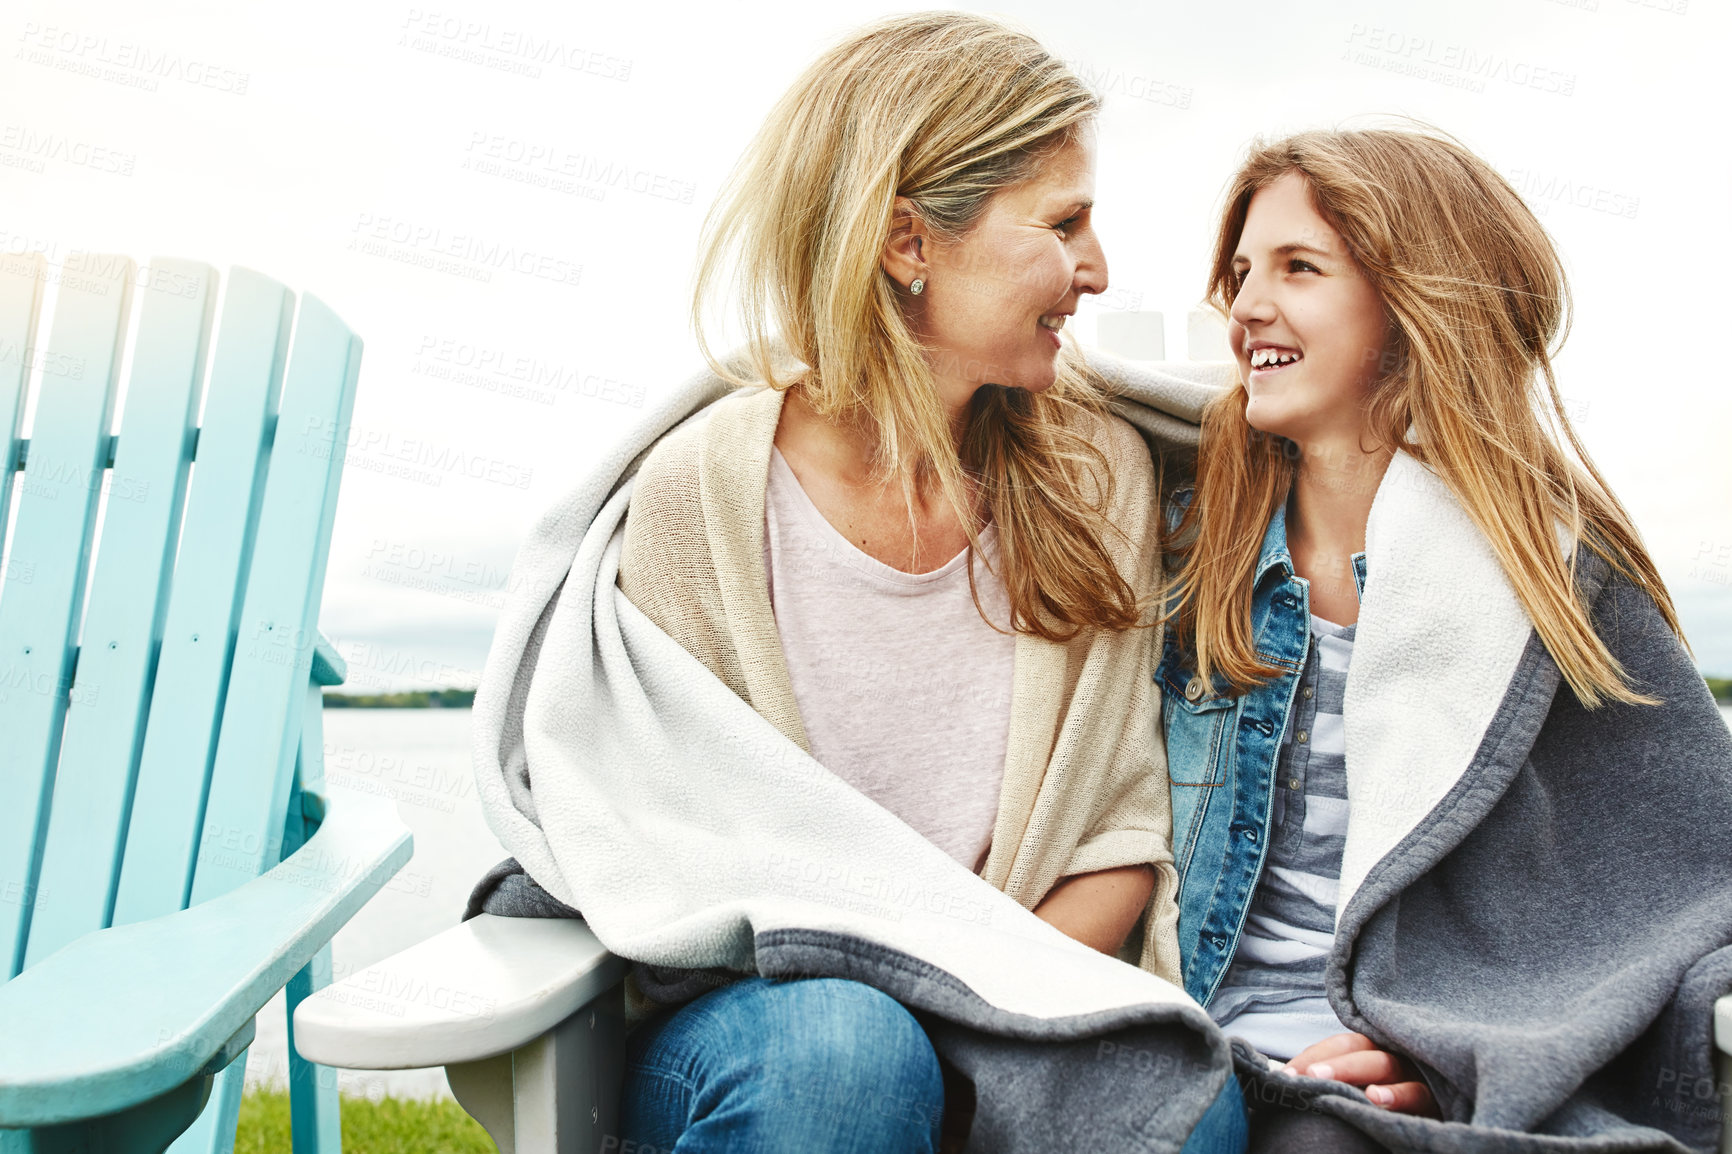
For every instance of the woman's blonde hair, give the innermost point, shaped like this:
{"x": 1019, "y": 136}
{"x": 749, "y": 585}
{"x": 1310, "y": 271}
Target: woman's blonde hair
{"x": 946, "y": 109}
{"x": 1477, "y": 303}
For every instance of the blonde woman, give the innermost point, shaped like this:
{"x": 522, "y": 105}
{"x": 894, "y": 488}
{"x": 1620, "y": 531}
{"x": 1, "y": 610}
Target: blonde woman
{"x": 1447, "y": 791}
{"x": 925, "y": 552}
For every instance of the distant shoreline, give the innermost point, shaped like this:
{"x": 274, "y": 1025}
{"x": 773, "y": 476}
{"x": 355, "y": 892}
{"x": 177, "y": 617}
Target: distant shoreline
{"x": 418, "y": 699}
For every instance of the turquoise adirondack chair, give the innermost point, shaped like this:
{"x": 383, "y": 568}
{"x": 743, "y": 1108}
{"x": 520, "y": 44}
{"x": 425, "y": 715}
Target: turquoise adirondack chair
{"x": 169, "y": 855}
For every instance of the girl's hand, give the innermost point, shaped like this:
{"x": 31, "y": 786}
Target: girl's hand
{"x": 1389, "y": 1080}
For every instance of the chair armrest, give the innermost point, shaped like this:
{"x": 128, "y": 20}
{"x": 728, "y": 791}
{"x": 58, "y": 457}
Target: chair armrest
{"x": 481, "y": 988}
{"x": 122, "y": 1015}
{"x": 329, "y": 668}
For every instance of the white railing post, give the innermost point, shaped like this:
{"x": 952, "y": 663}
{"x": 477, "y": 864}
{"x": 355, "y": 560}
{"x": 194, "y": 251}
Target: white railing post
{"x": 1206, "y": 336}
{"x": 1135, "y": 336}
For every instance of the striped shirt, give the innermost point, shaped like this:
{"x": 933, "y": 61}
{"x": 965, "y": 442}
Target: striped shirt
{"x": 1272, "y": 995}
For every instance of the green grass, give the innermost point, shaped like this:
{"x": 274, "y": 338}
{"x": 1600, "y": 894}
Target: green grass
{"x": 1721, "y": 688}
{"x": 388, "y": 1126}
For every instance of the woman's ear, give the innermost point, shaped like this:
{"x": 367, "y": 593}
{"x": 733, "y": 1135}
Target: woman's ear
{"x": 904, "y": 258}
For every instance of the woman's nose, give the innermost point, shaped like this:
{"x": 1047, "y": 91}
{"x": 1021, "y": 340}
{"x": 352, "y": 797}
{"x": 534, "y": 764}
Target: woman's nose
{"x": 1091, "y": 267}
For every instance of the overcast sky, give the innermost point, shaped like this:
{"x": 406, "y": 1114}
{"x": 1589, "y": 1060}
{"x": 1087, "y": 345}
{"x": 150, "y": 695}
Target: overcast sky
{"x": 380, "y": 155}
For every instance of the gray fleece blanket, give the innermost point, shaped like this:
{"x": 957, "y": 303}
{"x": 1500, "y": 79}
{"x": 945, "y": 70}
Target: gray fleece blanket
{"x": 1536, "y": 898}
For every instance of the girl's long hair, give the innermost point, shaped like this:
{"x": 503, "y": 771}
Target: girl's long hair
{"x": 945, "y": 109}
{"x": 1477, "y": 304}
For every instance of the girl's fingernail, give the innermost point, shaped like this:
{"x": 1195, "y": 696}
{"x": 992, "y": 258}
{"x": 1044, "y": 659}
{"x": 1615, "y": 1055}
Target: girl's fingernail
{"x": 1382, "y": 1095}
{"x": 1288, "y": 1069}
{"x": 1323, "y": 1072}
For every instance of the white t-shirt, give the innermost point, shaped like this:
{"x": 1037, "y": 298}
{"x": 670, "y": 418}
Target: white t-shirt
{"x": 904, "y": 690}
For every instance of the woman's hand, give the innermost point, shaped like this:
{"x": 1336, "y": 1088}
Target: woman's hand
{"x": 1389, "y": 1080}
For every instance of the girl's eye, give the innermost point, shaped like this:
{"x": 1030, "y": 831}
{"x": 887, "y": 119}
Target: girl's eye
{"x": 1302, "y": 266}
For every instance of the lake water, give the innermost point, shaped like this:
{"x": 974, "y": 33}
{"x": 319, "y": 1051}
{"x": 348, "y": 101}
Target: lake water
{"x": 420, "y": 758}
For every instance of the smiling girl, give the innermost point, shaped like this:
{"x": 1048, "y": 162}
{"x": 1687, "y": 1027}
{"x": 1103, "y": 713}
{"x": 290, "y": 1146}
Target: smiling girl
{"x": 1428, "y": 710}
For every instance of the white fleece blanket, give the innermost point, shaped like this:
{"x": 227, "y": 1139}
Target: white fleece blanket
{"x": 1423, "y": 687}
{"x": 634, "y": 786}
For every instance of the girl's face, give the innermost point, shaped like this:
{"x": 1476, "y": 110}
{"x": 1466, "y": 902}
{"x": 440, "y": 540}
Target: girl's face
{"x": 1306, "y": 327}
{"x": 996, "y": 299}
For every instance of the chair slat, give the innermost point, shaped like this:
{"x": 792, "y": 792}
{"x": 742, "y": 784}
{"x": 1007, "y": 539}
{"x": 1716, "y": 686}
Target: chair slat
{"x": 21, "y": 282}
{"x": 192, "y": 673}
{"x": 129, "y": 590}
{"x": 56, "y": 515}
{"x": 273, "y": 660}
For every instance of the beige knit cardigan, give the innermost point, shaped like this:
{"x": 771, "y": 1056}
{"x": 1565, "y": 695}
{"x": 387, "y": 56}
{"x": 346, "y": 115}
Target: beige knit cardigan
{"x": 1085, "y": 783}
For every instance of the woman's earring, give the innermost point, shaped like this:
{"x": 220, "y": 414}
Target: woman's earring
{"x": 917, "y": 286}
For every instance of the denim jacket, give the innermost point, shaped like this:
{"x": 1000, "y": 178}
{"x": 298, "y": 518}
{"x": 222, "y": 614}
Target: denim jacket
{"x": 1221, "y": 755}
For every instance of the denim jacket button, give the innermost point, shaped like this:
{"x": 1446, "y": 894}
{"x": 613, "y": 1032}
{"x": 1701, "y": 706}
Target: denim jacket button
{"x": 1194, "y": 690}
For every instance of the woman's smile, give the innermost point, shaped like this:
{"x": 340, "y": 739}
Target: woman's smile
{"x": 1051, "y": 324}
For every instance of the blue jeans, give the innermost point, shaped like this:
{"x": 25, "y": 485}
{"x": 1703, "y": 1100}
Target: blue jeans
{"x": 816, "y": 1066}
{"x": 1225, "y": 1126}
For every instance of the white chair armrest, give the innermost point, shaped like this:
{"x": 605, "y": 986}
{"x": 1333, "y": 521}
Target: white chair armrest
{"x": 481, "y": 988}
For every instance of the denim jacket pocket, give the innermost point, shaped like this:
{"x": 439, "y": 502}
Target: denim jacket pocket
{"x": 1195, "y": 721}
